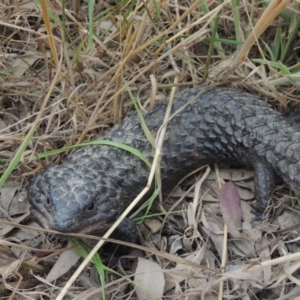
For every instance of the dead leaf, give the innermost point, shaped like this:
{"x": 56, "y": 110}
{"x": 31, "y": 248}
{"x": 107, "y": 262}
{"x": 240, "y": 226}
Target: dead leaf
{"x": 287, "y": 219}
{"x": 107, "y": 25}
{"x": 8, "y": 192}
{"x": 230, "y": 205}
{"x": 247, "y": 213}
{"x": 244, "y": 194}
{"x": 264, "y": 251}
{"x": 66, "y": 260}
{"x": 176, "y": 244}
{"x": 153, "y": 224}
{"x": 218, "y": 240}
{"x": 8, "y": 266}
{"x": 243, "y": 247}
{"x": 149, "y": 279}
{"x": 3, "y": 127}
{"x": 19, "y": 204}
{"x": 233, "y": 174}
{"x": 7, "y": 228}
{"x": 176, "y": 275}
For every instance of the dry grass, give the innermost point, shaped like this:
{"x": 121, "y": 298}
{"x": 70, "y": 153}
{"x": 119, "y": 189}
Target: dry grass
{"x": 62, "y": 91}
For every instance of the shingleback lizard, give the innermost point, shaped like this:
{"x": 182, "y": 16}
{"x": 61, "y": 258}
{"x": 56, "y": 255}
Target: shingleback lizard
{"x": 93, "y": 186}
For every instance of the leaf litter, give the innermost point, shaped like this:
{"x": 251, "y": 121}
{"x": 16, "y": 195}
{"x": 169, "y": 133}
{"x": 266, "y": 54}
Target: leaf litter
{"x": 261, "y": 263}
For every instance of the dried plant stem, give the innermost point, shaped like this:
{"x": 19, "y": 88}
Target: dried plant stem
{"x": 224, "y": 253}
{"x": 273, "y": 10}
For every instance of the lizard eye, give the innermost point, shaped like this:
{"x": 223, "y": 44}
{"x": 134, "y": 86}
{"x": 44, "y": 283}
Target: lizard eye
{"x": 91, "y": 206}
{"x": 48, "y": 201}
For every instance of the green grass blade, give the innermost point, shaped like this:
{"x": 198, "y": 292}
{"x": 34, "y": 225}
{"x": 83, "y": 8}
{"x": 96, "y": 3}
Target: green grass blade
{"x": 91, "y": 5}
{"x": 237, "y": 21}
{"x": 95, "y": 142}
{"x": 83, "y": 251}
{"x": 142, "y": 120}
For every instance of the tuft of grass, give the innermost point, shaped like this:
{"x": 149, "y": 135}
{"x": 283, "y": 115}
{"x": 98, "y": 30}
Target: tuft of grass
{"x": 83, "y": 251}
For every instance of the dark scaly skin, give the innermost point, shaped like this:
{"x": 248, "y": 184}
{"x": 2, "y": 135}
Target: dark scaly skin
{"x": 90, "y": 190}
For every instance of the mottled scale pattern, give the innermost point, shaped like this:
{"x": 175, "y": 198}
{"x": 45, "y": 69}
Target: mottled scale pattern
{"x": 94, "y": 185}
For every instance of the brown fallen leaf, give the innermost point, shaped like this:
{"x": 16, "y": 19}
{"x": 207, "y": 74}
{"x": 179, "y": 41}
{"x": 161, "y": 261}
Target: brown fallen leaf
{"x": 149, "y": 279}
{"x": 230, "y": 205}
{"x": 66, "y": 260}
{"x": 153, "y": 224}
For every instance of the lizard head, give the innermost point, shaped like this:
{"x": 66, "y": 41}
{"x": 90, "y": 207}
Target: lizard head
{"x": 75, "y": 199}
